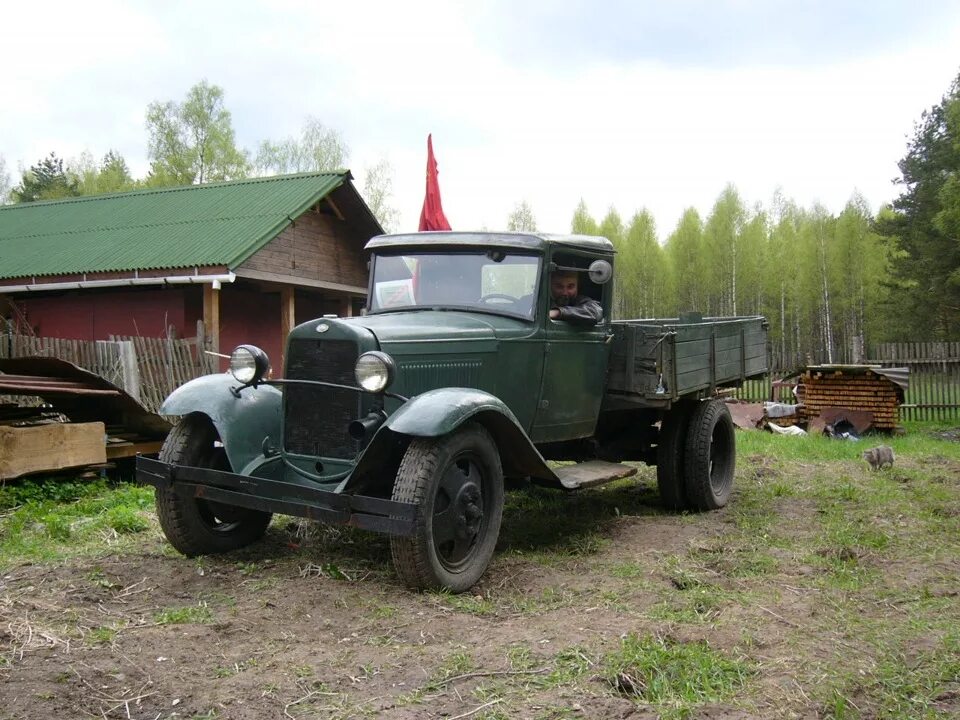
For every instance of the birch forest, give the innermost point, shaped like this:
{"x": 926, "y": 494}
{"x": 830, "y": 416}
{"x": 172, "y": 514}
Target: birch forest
{"x": 830, "y": 285}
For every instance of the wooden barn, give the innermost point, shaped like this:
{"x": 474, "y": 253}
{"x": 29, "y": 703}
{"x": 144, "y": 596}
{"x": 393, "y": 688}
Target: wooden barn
{"x": 250, "y": 258}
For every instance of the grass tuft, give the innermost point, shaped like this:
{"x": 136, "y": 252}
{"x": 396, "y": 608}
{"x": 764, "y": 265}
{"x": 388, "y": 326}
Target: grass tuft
{"x": 184, "y": 615}
{"x": 663, "y": 671}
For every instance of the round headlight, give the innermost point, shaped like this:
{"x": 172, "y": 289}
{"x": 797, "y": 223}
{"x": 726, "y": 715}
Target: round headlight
{"x": 249, "y": 364}
{"x": 374, "y": 371}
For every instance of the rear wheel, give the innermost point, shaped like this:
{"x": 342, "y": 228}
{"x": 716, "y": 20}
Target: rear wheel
{"x": 711, "y": 452}
{"x": 456, "y": 482}
{"x": 200, "y": 527}
{"x": 671, "y": 447}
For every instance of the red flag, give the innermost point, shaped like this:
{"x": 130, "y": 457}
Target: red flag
{"x": 432, "y": 217}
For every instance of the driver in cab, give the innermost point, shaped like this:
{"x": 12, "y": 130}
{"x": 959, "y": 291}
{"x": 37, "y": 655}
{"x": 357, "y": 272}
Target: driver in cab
{"x": 568, "y": 304}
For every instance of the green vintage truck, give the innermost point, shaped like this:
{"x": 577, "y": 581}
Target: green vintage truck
{"x": 411, "y": 419}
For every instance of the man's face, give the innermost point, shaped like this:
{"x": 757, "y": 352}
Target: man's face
{"x": 563, "y": 287}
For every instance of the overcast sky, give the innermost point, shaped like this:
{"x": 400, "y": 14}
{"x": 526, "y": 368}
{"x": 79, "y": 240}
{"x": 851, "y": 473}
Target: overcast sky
{"x": 626, "y": 103}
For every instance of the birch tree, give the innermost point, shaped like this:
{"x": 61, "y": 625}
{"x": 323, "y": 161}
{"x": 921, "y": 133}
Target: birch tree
{"x": 781, "y": 275}
{"x": 685, "y": 249}
{"x": 583, "y": 223}
{"x": 751, "y": 254}
{"x": 110, "y": 175}
{"x": 4, "y": 181}
{"x": 378, "y": 194}
{"x": 612, "y": 228}
{"x": 317, "y": 149}
{"x": 721, "y": 236}
{"x": 193, "y": 141}
{"x": 646, "y": 282}
{"x": 521, "y": 218}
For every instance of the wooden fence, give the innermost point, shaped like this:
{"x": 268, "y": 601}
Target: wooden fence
{"x": 934, "y": 392}
{"x": 112, "y": 361}
{"x": 148, "y": 369}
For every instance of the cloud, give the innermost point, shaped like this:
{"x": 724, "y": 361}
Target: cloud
{"x": 621, "y": 104}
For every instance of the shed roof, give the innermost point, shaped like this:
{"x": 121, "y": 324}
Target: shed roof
{"x": 215, "y": 224}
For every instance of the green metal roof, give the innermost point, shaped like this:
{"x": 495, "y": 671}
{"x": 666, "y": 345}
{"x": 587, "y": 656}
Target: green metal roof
{"x": 196, "y": 225}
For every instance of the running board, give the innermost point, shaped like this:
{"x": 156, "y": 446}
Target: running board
{"x": 594, "y": 472}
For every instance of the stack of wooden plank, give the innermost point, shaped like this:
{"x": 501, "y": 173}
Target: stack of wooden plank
{"x": 853, "y": 388}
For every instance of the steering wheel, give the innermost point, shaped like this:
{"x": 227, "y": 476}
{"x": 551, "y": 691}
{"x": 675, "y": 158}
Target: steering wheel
{"x": 499, "y": 298}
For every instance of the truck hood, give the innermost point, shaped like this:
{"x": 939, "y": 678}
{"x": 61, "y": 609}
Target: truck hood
{"x": 404, "y": 327}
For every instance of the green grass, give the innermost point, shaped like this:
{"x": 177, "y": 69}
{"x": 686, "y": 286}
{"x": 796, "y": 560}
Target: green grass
{"x": 677, "y": 676}
{"x": 918, "y": 440}
{"x": 51, "y": 519}
{"x": 902, "y": 685}
{"x": 184, "y": 615}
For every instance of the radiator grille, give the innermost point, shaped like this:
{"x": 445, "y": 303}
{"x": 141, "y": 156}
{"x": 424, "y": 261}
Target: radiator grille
{"x": 420, "y": 376}
{"x": 316, "y": 418}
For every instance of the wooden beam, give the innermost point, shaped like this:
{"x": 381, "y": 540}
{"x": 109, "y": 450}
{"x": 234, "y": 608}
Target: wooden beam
{"x": 132, "y": 448}
{"x": 333, "y": 206}
{"x": 211, "y": 315}
{"x": 288, "y": 320}
{"x": 345, "y": 303}
{"x": 48, "y": 447}
{"x": 278, "y": 279}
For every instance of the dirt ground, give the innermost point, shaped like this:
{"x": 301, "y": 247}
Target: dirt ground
{"x": 317, "y": 625}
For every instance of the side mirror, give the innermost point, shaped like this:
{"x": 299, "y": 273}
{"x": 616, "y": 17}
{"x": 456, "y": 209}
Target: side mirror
{"x": 600, "y": 271}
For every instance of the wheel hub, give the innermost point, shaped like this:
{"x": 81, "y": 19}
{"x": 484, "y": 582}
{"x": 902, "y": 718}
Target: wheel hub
{"x": 469, "y": 511}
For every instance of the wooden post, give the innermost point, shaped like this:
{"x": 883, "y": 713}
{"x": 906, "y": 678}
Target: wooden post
{"x": 288, "y": 319}
{"x": 211, "y": 315}
{"x": 130, "y": 369}
{"x": 345, "y": 306}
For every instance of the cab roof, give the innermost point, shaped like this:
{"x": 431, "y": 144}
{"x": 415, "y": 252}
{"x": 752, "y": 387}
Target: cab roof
{"x": 520, "y": 241}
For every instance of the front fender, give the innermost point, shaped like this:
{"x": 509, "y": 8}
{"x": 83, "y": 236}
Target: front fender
{"x": 242, "y": 422}
{"x": 440, "y": 412}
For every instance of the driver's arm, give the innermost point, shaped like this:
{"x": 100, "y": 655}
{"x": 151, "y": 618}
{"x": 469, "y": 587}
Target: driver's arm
{"x": 584, "y": 311}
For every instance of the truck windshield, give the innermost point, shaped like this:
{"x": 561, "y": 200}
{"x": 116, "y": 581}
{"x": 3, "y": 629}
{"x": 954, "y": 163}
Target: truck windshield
{"x": 492, "y": 281}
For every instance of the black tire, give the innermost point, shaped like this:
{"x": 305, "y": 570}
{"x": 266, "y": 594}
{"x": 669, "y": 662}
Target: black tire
{"x": 711, "y": 456}
{"x": 456, "y": 482}
{"x": 671, "y": 447}
{"x": 200, "y": 527}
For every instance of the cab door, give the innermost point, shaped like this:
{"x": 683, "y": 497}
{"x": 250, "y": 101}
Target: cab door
{"x": 574, "y": 375}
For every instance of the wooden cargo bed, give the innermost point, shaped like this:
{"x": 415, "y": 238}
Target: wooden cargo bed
{"x": 658, "y": 361}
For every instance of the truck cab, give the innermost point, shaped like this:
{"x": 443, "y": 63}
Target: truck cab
{"x": 482, "y": 302}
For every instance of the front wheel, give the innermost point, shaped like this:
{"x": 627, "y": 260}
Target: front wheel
{"x": 456, "y": 482}
{"x": 201, "y": 527}
{"x": 711, "y": 456}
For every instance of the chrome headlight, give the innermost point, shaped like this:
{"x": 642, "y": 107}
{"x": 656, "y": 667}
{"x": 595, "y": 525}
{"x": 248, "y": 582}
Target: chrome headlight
{"x": 374, "y": 371}
{"x": 249, "y": 364}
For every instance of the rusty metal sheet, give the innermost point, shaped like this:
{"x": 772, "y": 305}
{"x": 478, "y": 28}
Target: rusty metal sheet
{"x": 898, "y": 375}
{"x": 861, "y": 420}
{"x": 79, "y": 394}
{"x": 746, "y": 415}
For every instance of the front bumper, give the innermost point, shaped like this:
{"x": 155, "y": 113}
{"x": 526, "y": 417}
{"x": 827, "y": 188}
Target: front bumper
{"x": 368, "y": 513}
